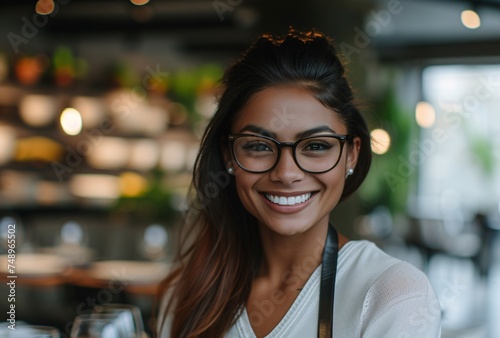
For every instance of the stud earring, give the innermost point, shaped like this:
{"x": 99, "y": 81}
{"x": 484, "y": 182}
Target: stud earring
{"x": 349, "y": 172}
{"x": 230, "y": 170}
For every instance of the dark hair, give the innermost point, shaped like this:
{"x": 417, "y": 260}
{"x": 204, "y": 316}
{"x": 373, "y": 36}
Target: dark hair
{"x": 213, "y": 281}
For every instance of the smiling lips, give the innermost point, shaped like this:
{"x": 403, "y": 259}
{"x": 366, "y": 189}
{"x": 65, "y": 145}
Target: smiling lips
{"x": 292, "y": 200}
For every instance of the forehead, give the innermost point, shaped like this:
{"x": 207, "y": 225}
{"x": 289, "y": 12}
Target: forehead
{"x": 287, "y": 111}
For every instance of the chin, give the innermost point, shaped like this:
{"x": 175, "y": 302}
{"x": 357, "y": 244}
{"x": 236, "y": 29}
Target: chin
{"x": 288, "y": 227}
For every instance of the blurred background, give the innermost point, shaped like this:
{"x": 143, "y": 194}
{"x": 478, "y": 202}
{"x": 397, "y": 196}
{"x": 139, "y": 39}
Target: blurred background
{"x": 103, "y": 102}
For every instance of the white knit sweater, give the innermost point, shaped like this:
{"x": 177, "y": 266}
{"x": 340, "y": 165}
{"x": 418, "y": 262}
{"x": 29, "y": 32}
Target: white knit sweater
{"x": 376, "y": 296}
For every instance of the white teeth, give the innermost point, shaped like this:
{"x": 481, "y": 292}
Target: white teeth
{"x": 281, "y": 200}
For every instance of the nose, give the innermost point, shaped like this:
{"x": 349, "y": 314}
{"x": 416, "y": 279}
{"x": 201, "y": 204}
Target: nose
{"x": 286, "y": 170}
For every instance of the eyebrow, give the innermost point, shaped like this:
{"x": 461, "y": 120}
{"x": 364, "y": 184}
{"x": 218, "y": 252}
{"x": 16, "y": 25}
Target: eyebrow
{"x": 316, "y": 130}
{"x": 264, "y": 132}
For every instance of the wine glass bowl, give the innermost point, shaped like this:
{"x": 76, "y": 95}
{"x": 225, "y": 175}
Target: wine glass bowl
{"x": 30, "y": 331}
{"x": 97, "y": 325}
{"x": 126, "y": 315}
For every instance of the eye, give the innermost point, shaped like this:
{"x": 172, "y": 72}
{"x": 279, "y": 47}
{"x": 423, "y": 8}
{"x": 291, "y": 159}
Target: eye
{"x": 256, "y": 146}
{"x": 317, "y": 145}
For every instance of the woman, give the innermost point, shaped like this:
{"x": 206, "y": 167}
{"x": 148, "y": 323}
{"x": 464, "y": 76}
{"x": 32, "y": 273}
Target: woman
{"x": 284, "y": 147}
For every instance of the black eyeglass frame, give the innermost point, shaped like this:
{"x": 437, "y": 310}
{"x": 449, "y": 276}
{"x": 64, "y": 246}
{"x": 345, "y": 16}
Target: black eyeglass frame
{"x": 342, "y": 140}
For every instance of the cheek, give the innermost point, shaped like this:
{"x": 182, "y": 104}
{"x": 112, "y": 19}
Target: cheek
{"x": 334, "y": 184}
{"x": 244, "y": 187}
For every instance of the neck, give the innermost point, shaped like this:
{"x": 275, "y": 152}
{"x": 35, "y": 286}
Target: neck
{"x": 290, "y": 260}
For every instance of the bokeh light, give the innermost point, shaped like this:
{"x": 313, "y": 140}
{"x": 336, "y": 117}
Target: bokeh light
{"x": 139, "y": 2}
{"x": 37, "y": 110}
{"x": 44, "y": 7}
{"x": 132, "y": 184}
{"x": 381, "y": 141}
{"x": 95, "y": 186}
{"x": 71, "y": 121}
{"x": 470, "y": 19}
{"x": 425, "y": 114}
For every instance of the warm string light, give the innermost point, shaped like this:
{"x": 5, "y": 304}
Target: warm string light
{"x": 381, "y": 141}
{"x": 470, "y": 19}
{"x": 139, "y": 2}
{"x": 44, "y": 7}
{"x": 425, "y": 114}
{"x": 71, "y": 121}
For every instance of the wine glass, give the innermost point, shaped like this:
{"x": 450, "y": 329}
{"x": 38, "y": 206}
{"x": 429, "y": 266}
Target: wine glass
{"x": 31, "y": 331}
{"x": 97, "y": 325}
{"x": 128, "y": 316}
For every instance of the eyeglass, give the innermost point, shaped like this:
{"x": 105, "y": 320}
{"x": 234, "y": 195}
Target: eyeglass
{"x": 314, "y": 154}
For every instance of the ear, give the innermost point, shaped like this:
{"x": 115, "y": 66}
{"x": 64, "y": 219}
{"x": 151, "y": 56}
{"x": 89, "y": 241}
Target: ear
{"x": 226, "y": 154}
{"x": 353, "y": 153}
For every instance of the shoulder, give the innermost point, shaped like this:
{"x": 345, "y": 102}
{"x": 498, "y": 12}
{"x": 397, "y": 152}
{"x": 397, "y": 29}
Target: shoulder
{"x": 391, "y": 295}
{"x": 366, "y": 254}
{"x": 376, "y": 270}
{"x": 363, "y": 257}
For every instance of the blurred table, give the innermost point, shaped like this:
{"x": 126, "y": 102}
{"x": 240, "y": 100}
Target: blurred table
{"x": 34, "y": 269}
{"x": 138, "y": 277}
{"x": 40, "y": 269}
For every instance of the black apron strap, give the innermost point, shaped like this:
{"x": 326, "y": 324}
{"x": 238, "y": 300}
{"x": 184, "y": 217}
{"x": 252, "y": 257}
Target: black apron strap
{"x": 327, "y": 286}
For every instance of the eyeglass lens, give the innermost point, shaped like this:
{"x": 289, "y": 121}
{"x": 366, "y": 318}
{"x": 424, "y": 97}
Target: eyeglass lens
{"x": 258, "y": 154}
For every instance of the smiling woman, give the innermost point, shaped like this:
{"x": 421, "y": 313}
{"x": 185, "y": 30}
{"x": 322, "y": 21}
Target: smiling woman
{"x": 313, "y": 166}
{"x": 261, "y": 258}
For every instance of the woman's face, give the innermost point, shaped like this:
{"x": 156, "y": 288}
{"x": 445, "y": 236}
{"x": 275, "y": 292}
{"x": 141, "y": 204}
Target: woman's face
{"x": 285, "y": 113}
